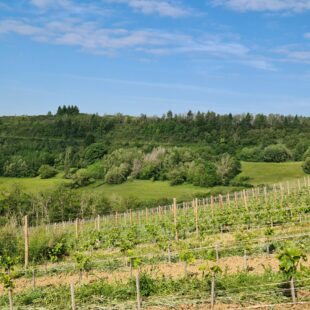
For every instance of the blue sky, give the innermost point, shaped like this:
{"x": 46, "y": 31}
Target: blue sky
{"x": 151, "y": 56}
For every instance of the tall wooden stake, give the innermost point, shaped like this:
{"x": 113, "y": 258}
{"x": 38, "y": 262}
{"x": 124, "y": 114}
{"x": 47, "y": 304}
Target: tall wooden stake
{"x": 292, "y": 287}
{"x": 26, "y": 237}
{"x": 196, "y": 216}
{"x": 175, "y": 218}
{"x": 98, "y": 222}
{"x": 10, "y": 298}
{"x": 33, "y": 278}
{"x": 213, "y": 290}
{"x": 72, "y": 296}
{"x": 138, "y": 291}
{"x": 77, "y": 229}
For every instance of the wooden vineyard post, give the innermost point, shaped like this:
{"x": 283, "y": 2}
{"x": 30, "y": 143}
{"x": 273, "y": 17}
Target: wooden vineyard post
{"x": 196, "y": 216}
{"x": 282, "y": 194}
{"x": 130, "y": 216}
{"x": 26, "y": 237}
{"x": 169, "y": 254}
{"x": 10, "y": 298}
{"x": 265, "y": 193}
{"x": 221, "y": 200}
{"x": 228, "y": 199}
{"x": 72, "y": 296}
{"x": 212, "y": 206}
{"x": 33, "y": 278}
{"x": 293, "y": 293}
{"x": 98, "y": 223}
{"x": 116, "y": 218}
{"x": 138, "y": 291}
{"x": 175, "y": 218}
{"x": 77, "y": 229}
{"x": 245, "y": 260}
{"x": 245, "y": 199}
{"x": 217, "y": 256}
{"x": 213, "y": 290}
{"x": 146, "y": 215}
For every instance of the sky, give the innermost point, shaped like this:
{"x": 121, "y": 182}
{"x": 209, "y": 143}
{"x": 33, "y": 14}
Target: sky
{"x": 151, "y": 56}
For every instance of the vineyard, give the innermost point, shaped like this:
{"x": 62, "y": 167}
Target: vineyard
{"x": 246, "y": 249}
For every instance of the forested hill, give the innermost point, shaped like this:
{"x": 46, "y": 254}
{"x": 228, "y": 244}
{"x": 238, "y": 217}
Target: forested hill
{"x": 41, "y": 139}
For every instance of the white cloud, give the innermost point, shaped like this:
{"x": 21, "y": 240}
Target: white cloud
{"x": 87, "y": 35}
{"x": 265, "y": 5}
{"x": 18, "y": 27}
{"x": 294, "y": 53}
{"x": 160, "y": 7}
{"x": 213, "y": 47}
{"x": 258, "y": 63}
{"x": 69, "y": 6}
{"x": 44, "y": 4}
{"x": 92, "y": 37}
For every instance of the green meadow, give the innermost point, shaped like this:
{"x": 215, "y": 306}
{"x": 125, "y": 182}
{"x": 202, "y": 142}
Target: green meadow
{"x": 259, "y": 173}
{"x": 269, "y": 173}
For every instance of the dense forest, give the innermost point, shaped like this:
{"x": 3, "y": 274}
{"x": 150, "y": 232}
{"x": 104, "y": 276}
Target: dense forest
{"x": 70, "y": 139}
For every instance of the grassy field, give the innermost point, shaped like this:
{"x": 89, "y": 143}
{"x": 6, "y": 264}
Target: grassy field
{"x": 267, "y": 173}
{"x": 259, "y": 173}
{"x": 154, "y": 190}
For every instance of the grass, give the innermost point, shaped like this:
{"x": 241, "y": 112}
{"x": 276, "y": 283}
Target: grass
{"x": 31, "y": 185}
{"x": 153, "y": 190}
{"x": 268, "y": 173}
{"x": 259, "y": 173}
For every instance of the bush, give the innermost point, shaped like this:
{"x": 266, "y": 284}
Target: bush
{"x": 306, "y": 165}
{"x": 150, "y": 170}
{"x": 96, "y": 171}
{"x": 117, "y": 175}
{"x": 253, "y": 154}
{"x": 227, "y": 168}
{"x": 80, "y": 179}
{"x": 9, "y": 244}
{"x": 277, "y": 153}
{"x": 203, "y": 174}
{"x": 47, "y": 172}
{"x": 46, "y": 246}
{"x": 16, "y": 167}
{"x": 177, "y": 176}
{"x": 306, "y": 154}
{"x": 94, "y": 152}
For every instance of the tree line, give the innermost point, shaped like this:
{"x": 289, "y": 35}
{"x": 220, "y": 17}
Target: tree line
{"x": 62, "y": 140}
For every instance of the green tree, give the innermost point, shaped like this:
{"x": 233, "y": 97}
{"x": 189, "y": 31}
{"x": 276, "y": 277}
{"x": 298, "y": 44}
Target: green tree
{"x": 47, "y": 172}
{"x": 277, "y": 153}
{"x": 306, "y": 165}
{"x": 94, "y": 152}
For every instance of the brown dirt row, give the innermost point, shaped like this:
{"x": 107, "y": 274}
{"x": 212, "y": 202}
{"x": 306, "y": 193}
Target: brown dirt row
{"x": 175, "y": 270}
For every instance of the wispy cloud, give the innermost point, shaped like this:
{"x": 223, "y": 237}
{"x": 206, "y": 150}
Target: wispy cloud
{"x": 294, "y": 53}
{"x": 160, "y": 7}
{"x": 18, "y": 27}
{"x": 71, "y": 7}
{"x": 87, "y": 35}
{"x": 94, "y": 38}
{"x": 208, "y": 46}
{"x": 307, "y": 35}
{"x": 44, "y": 4}
{"x": 265, "y": 5}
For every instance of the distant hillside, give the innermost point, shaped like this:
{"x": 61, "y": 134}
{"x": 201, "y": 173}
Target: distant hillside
{"x": 42, "y": 139}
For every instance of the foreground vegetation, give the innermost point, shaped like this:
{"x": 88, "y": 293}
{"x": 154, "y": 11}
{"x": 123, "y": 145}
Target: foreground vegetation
{"x": 51, "y": 200}
{"x": 263, "y": 232}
